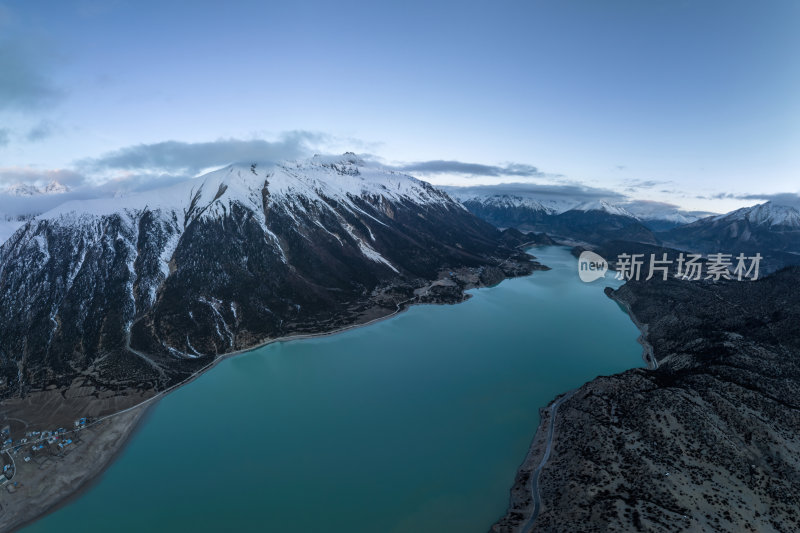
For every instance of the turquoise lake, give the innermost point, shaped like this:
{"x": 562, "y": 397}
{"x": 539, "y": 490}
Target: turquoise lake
{"x": 413, "y": 424}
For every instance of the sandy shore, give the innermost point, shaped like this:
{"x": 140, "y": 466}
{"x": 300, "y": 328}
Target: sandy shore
{"x": 55, "y": 482}
{"x": 48, "y": 483}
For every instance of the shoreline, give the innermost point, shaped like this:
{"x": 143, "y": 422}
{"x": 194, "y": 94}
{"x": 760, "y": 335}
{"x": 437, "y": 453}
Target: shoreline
{"x": 93, "y": 475}
{"x": 647, "y": 354}
{"x": 524, "y": 504}
{"x": 541, "y": 444}
{"x": 146, "y": 406}
{"x": 149, "y": 404}
{"x": 400, "y": 307}
{"x": 534, "y": 481}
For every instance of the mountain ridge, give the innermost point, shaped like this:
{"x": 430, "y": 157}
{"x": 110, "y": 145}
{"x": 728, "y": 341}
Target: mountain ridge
{"x": 131, "y": 295}
{"x": 705, "y": 441}
{"x": 24, "y": 189}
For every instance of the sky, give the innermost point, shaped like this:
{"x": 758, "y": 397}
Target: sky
{"x": 687, "y": 103}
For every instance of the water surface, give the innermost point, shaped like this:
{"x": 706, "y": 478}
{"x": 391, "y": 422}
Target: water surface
{"x": 414, "y": 424}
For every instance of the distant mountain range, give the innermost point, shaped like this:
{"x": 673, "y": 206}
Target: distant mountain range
{"x": 141, "y": 290}
{"x": 9, "y": 223}
{"x": 770, "y": 229}
{"x": 586, "y": 221}
{"x": 24, "y": 189}
{"x": 525, "y": 208}
{"x": 136, "y": 293}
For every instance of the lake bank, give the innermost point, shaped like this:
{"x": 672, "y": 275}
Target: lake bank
{"x": 114, "y": 430}
{"x": 373, "y": 427}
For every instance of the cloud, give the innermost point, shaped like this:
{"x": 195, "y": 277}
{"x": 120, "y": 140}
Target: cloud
{"x": 654, "y": 209}
{"x": 145, "y": 166}
{"x": 81, "y": 187}
{"x": 137, "y": 183}
{"x": 41, "y": 131}
{"x": 572, "y": 192}
{"x": 12, "y": 205}
{"x": 190, "y": 158}
{"x": 782, "y": 198}
{"x": 439, "y": 166}
{"x": 645, "y": 184}
{"x": 652, "y": 205}
{"x": 633, "y": 185}
{"x": 24, "y": 83}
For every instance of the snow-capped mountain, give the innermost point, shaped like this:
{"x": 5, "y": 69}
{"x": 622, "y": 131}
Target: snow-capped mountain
{"x": 769, "y": 229}
{"x": 528, "y": 210}
{"x": 292, "y": 184}
{"x": 656, "y": 215}
{"x": 594, "y": 221}
{"x": 55, "y": 187}
{"x": 505, "y": 210}
{"x": 508, "y": 201}
{"x": 605, "y": 207}
{"x": 140, "y": 291}
{"x": 505, "y": 200}
{"x": 597, "y": 222}
{"x": 766, "y": 214}
{"x": 676, "y": 218}
{"x": 22, "y": 202}
{"x": 24, "y": 189}
{"x": 660, "y": 217}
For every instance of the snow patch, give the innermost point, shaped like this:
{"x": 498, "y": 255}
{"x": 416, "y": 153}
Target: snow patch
{"x": 767, "y": 214}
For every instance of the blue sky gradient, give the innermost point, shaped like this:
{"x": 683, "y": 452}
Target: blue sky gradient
{"x": 690, "y": 102}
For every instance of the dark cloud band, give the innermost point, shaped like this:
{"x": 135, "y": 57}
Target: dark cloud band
{"x": 177, "y": 156}
{"x": 782, "y": 198}
{"x": 440, "y": 166}
{"x": 579, "y": 193}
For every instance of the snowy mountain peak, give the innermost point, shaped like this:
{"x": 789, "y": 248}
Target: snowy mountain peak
{"x": 347, "y": 158}
{"x": 22, "y": 189}
{"x": 512, "y": 201}
{"x": 602, "y": 205}
{"x": 25, "y": 189}
{"x": 55, "y": 187}
{"x": 766, "y": 214}
{"x": 675, "y": 217}
{"x": 224, "y": 261}
{"x": 503, "y": 200}
{"x": 296, "y": 184}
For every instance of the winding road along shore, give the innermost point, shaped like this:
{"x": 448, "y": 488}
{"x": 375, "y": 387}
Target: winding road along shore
{"x": 537, "y": 502}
